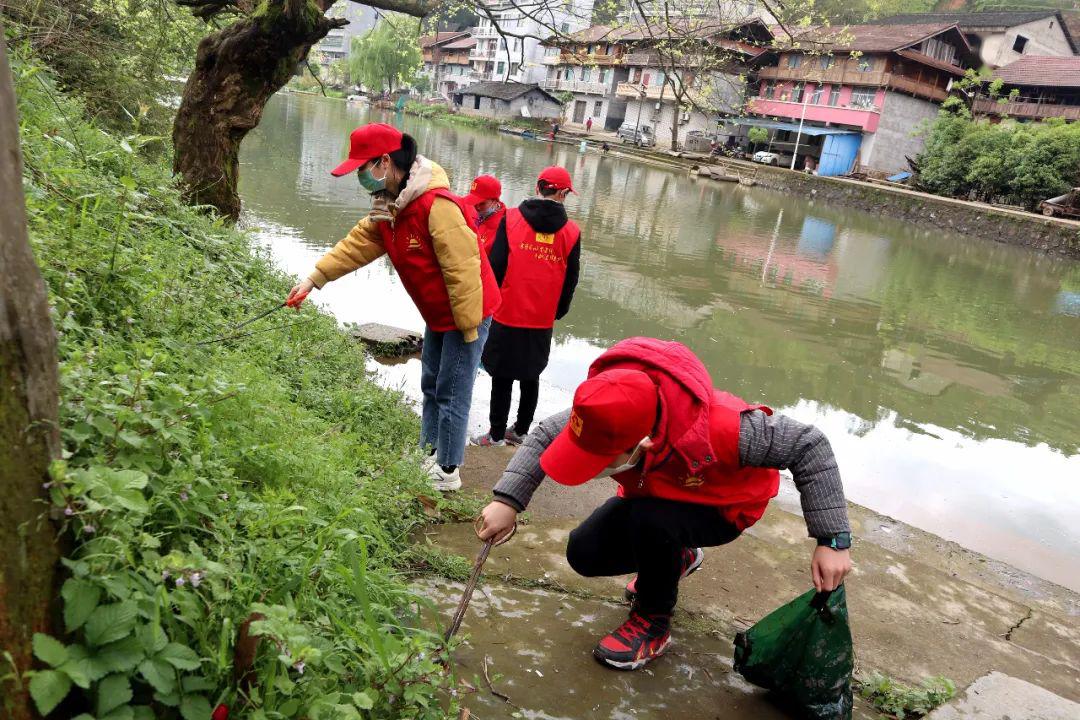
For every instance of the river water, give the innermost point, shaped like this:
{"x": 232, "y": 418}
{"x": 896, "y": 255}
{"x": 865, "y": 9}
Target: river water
{"x": 945, "y": 370}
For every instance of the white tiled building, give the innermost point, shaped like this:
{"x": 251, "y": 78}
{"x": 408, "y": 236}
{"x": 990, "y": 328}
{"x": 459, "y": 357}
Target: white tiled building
{"x": 519, "y": 59}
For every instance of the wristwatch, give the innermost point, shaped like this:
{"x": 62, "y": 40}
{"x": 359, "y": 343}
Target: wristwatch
{"x": 839, "y": 541}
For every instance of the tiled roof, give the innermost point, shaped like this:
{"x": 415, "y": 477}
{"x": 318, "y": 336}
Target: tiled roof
{"x": 973, "y": 20}
{"x": 867, "y": 38}
{"x": 1042, "y": 70}
{"x": 465, "y": 43}
{"x": 502, "y": 90}
{"x": 427, "y": 40}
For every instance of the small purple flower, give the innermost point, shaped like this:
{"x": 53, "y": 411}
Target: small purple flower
{"x": 46, "y": 485}
{"x": 89, "y": 529}
{"x": 180, "y": 582}
{"x": 183, "y": 496}
{"x": 69, "y": 511}
{"x": 299, "y": 666}
{"x": 196, "y": 578}
{"x": 224, "y": 496}
{"x": 165, "y": 574}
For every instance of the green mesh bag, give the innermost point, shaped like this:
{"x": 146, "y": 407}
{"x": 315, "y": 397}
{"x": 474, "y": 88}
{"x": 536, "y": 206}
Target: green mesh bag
{"x": 802, "y": 651}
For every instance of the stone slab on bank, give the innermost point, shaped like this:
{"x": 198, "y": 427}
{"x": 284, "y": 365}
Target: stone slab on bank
{"x": 387, "y": 340}
{"x": 999, "y": 697}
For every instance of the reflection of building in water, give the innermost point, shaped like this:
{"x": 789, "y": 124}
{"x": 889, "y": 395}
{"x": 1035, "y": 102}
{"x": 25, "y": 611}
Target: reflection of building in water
{"x": 933, "y": 374}
{"x": 323, "y": 144}
{"x": 809, "y": 265}
{"x": 862, "y": 260}
{"x": 1068, "y": 303}
{"x": 654, "y": 298}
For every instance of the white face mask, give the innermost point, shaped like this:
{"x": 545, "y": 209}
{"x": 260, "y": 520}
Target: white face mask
{"x": 633, "y": 460}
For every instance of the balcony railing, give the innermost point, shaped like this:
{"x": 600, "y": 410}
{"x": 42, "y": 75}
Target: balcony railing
{"x": 486, "y": 54}
{"x": 634, "y": 91}
{"x": 592, "y": 88}
{"x": 483, "y": 31}
{"x": 572, "y": 58}
{"x": 837, "y": 74}
{"x": 1032, "y": 110}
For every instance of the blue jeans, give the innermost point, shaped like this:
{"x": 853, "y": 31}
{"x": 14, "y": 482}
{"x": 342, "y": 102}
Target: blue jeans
{"x": 448, "y": 368}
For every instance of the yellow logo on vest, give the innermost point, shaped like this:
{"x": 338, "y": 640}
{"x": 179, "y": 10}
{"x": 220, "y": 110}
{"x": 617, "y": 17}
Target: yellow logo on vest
{"x": 693, "y": 481}
{"x": 546, "y": 238}
{"x": 413, "y": 243}
{"x": 472, "y": 189}
{"x": 576, "y": 424}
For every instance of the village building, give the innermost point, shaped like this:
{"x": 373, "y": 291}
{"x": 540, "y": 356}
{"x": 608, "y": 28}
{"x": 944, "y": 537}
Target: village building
{"x": 855, "y": 97}
{"x": 506, "y": 100}
{"x": 446, "y": 61}
{"x": 515, "y": 54}
{"x": 1035, "y": 87}
{"x": 1002, "y": 37}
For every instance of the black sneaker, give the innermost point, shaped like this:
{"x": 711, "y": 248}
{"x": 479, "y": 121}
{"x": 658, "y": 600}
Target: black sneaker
{"x": 691, "y": 561}
{"x": 637, "y": 641}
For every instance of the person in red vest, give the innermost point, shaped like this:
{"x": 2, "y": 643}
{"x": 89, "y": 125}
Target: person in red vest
{"x": 484, "y": 195}
{"x": 430, "y": 237}
{"x": 535, "y": 258}
{"x": 695, "y": 466}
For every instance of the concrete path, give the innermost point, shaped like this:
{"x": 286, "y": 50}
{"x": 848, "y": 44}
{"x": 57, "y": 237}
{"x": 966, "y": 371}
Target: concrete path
{"x": 920, "y": 606}
{"x": 1000, "y": 697}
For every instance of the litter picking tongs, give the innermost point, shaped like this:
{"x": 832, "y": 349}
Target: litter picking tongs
{"x": 466, "y": 596}
{"x": 233, "y": 333}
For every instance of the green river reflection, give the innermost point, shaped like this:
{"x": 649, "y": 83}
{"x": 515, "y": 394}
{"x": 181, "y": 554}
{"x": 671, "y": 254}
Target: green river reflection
{"x": 945, "y": 370}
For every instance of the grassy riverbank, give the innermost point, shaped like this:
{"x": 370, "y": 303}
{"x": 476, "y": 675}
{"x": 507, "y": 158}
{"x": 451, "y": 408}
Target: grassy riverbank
{"x": 443, "y": 113}
{"x": 202, "y": 486}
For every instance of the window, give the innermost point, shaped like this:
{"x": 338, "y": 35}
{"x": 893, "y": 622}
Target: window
{"x": 769, "y": 91}
{"x": 863, "y": 97}
{"x": 499, "y": 67}
{"x": 865, "y": 65}
{"x": 797, "y": 92}
{"x": 632, "y": 77}
{"x": 598, "y": 108}
{"x": 586, "y": 74}
{"x": 815, "y": 98}
{"x": 1019, "y": 43}
{"x": 826, "y": 61}
{"x": 794, "y": 61}
{"x": 834, "y": 95}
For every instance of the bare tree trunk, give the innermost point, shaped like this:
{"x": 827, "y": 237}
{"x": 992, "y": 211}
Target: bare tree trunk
{"x": 237, "y": 70}
{"x": 29, "y": 436}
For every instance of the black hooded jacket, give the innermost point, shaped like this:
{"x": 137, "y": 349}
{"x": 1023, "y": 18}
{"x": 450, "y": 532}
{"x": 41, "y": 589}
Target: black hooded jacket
{"x": 545, "y": 216}
{"x": 522, "y": 353}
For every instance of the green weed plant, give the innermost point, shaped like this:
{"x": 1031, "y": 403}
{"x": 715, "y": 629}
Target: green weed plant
{"x": 237, "y": 511}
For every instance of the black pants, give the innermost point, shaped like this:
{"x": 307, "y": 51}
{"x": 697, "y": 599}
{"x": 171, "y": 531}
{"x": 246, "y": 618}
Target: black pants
{"x": 646, "y": 536}
{"x": 501, "y": 389}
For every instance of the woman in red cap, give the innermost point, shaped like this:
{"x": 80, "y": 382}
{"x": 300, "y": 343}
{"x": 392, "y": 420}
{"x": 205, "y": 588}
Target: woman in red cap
{"x": 695, "y": 466}
{"x": 535, "y": 258}
{"x": 428, "y": 234}
{"x": 484, "y": 196}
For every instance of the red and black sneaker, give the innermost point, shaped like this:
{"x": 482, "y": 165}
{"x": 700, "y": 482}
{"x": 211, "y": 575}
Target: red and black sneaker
{"x": 637, "y": 641}
{"x": 691, "y": 561}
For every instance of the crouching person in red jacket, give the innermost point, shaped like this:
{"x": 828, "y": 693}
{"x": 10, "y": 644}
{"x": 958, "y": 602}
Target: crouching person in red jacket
{"x": 695, "y": 465}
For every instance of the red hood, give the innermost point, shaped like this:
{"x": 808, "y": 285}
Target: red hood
{"x": 686, "y": 392}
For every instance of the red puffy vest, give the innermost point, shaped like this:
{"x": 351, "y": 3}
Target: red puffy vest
{"x": 535, "y": 270}
{"x": 408, "y": 243}
{"x": 741, "y": 493}
{"x": 486, "y": 230}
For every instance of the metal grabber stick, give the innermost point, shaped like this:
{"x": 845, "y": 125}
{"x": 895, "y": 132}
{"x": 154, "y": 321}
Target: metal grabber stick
{"x": 233, "y": 335}
{"x": 466, "y": 596}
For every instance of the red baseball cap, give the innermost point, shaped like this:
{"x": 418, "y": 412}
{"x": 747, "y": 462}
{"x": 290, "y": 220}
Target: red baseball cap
{"x": 368, "y": 142}
{"x": 613, "y": 411}
{"x": 559, "y": 178}
{"x": 484, "y": 187}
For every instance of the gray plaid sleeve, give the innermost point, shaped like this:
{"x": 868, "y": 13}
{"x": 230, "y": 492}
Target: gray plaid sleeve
{"x": 524, "y": 474}
{"x": 777, "y": 441}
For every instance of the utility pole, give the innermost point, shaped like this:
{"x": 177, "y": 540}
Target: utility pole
{"x": 798, "y": 135}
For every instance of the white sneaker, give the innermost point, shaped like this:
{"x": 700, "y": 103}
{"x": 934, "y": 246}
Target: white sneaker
{"x": 429, "y": 462}
{"x": 444, "y": 481}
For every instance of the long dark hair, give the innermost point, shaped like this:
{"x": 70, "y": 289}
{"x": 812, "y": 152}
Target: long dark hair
{"x": 404, "y": 157}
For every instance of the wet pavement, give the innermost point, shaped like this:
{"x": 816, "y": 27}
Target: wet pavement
{"x": 537, "y": 646}
{"x": 920, "y": 606}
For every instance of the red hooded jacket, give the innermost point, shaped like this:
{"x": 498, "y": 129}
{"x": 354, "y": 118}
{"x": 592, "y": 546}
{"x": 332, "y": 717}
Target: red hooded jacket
{"x": 695, "y": 457}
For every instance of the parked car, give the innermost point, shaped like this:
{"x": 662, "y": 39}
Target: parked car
{"x": 1067, "y": 205}
{"x": 643, "y": 136}
{"x": 766, "y": 158}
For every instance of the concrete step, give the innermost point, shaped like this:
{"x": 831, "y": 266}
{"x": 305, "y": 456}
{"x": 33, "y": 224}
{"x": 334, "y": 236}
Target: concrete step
{"x": 1000, "y": 697}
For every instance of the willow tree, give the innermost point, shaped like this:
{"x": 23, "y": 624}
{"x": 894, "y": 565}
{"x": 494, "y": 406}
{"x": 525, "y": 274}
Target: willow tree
{"x": 388, "y": 55}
